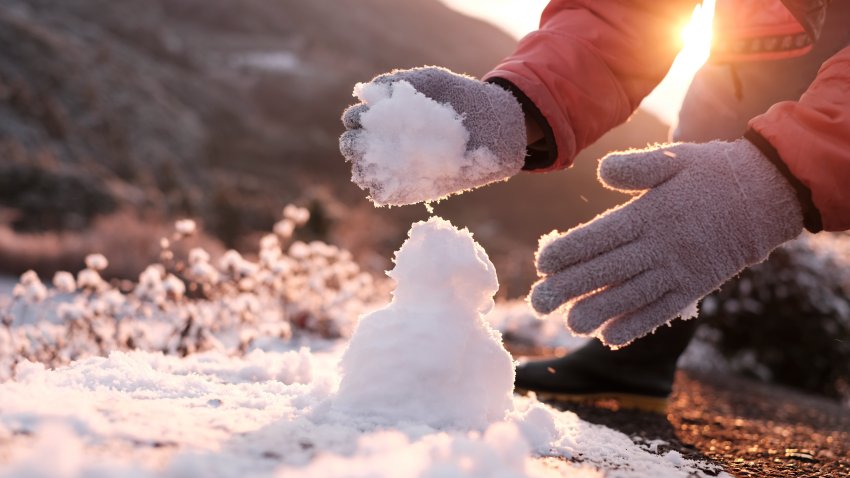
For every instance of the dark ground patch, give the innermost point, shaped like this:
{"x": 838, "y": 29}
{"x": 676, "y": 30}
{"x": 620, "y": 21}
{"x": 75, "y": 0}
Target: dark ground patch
{"x": 751, "y": 429}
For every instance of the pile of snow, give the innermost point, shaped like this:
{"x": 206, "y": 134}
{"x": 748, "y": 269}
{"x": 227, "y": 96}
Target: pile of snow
{"x": 429, "y": 357}
{"x": 412, "y": 149}
{"x": 145, "y": 414}
{"x": 423, "y": 390}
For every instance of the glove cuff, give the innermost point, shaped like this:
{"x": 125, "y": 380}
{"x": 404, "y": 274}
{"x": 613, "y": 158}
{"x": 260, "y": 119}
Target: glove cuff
{"x": 543, "y": 153}
{"x": 811, "y": 216}
{"x": 775, "y": 214}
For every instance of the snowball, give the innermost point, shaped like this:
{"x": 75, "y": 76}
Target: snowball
{"x": 429, "y": 357}
{"x": 412, "y": 149}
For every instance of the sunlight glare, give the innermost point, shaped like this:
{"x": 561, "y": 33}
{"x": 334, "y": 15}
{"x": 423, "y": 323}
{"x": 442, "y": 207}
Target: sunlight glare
{"x": 521, "y": 16}
{"x": 666, "y": 99}
{"x": 696, "y": 35}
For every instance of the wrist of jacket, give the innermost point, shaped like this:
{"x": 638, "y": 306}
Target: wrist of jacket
{"x": 811, "y": 216}
{"x": 542, "y": 153}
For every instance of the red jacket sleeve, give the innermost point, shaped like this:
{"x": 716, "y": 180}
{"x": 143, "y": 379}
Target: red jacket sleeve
{"x": 591, "y": 63}
{"x": 812, "y": 138}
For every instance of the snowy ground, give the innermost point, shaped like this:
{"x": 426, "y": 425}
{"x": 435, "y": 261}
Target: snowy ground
{"x": 268, "y": 414}
{"x": 421, "y": 388}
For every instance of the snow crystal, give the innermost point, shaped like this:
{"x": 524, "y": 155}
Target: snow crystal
{"x": 412, "y": 149}
{"x": 429, "y": 357}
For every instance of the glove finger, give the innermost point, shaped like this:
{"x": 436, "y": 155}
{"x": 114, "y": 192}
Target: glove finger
{"x": 590, "y": 313}
{"x": 639, "y": 170}
{"x": 608, "y": 231}
{"x": 610, "y": 268}
{"x": 348, "y": 145}
{"x": 351, "y": 116}
{"x": 623, "y": 330}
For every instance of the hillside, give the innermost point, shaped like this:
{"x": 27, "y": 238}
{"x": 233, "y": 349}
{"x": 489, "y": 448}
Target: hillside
{"x": 225, "y": 110}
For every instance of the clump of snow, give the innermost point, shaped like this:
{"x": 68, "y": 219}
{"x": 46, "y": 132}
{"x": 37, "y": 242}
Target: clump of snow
{"x": 299, "y": 215}
{"x": 691, "y": 311}
{"x": 429, "y": 356}
{"x": 64, "y": 282}
{"x": 30, "y": 289}
{"x": 96, "y": 262}
{"x": 185, "y": 227}
{"x": 90, "y": 279}
{"x": 413, "y": 149}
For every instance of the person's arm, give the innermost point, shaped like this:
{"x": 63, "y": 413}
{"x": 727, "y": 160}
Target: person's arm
{"x": 587, "y": 68}
{"x": 811, "y": 138}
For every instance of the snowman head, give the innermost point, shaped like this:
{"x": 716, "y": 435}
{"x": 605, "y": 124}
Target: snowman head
{"x": 441, "y": 265}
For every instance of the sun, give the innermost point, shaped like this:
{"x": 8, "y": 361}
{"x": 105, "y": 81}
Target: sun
{"x": 522, "y": 16}
{"x": 696, "y": 36}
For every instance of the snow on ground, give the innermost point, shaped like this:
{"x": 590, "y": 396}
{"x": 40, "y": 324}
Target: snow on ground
{"x": 422, "y": 389}
{"x": 146, "y": 414}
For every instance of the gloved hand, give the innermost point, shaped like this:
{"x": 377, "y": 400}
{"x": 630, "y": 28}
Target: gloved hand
{"x": 495, "y": 149}
{"x": 708, "y": 211}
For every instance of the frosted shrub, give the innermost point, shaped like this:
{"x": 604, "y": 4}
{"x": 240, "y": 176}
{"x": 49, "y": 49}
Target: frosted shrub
{"x": 788, "y": 319}
{"x": 186, "y": 305}
{"x": 30, "y": 288}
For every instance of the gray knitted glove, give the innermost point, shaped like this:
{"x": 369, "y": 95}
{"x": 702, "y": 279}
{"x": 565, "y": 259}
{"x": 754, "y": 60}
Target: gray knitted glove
{"x": 495, "y": 149}
{"x": 709, "y": 211}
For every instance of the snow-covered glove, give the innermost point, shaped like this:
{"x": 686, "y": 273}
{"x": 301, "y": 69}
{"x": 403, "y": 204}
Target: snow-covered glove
{"x": 422, "y": 134}
{"x": 709, "y": 210}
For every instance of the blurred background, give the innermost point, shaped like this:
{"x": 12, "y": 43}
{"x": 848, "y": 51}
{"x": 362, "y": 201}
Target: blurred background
{"x": 117, "y": 117}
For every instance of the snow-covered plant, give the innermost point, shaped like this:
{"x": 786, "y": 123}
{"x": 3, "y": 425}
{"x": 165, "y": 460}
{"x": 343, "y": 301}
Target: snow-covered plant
{"x": 788, "y": 319}
{"x": 183, "y": 305}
